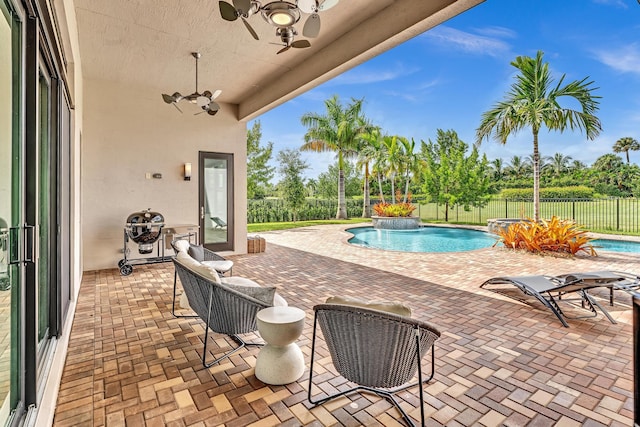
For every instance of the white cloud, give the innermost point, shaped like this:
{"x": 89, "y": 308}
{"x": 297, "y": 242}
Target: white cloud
{"x": 361, "y": 76}
{"x": 497, "y": 32}
{"x": 471, "y": 43}
{"x": 616, "y": 3}
{"x": 625, "y": 59}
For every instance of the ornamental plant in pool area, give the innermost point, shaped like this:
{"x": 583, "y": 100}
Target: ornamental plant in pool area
{"x": 398, "y": 209}
{"x": 547, "y": 236}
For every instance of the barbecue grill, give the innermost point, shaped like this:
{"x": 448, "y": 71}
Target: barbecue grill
{"x": 145, "y": 228}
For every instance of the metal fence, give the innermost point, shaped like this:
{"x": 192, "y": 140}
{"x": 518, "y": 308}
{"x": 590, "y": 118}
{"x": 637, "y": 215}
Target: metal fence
{"x": 604, "y": 215}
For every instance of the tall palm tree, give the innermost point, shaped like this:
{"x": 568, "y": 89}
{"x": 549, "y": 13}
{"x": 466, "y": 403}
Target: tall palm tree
{"x": 393, "y": 149}
{"x": 533, "y": 102}
{"x": 626, "y": 144}
{"x": 369, "y": 146}
{"x": 337, "y": 130}
{"x": 498, "y": 169}
{"x": 410, "y": 163}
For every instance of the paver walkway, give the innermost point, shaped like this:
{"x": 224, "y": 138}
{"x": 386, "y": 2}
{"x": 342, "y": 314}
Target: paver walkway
{"x": 502, "y": 359}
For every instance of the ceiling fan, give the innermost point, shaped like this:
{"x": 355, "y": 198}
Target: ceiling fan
{"x": 281, "y": 14}
{"x": 204, "y": 100}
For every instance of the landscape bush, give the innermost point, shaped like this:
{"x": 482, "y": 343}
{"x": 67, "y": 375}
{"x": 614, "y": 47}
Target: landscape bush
{"x": 575, "y": 192}
{"x": 553, "y": 236}
{"x": 274, "y": 210}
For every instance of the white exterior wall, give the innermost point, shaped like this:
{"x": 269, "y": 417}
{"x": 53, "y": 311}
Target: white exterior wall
{"x": 130, "y": 131}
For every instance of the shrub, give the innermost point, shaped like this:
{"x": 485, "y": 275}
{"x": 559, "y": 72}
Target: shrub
{"x": 393, "y": 209}
{"x": 576, "y": 192}
{"x": 552, "y": 236}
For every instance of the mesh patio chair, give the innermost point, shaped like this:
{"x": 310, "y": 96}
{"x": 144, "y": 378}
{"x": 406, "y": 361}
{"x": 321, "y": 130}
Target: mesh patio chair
{"x": 614, "y": 280}
{"x": 543, "y": 289}
{"x": 378, "y": 351}
{"x": 224, "y": 310}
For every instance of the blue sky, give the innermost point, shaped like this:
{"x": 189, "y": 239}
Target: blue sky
{"x": 447, "y": 77}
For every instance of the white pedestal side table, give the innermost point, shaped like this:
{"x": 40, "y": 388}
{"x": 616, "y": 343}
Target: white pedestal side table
{"x": 280, "y": 361}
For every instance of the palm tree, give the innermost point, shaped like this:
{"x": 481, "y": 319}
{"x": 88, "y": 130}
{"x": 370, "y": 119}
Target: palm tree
{"x": 370, "y": 142}
{"x": 559, "y": 163}
{"x": 626, "y": 144}
{"x": 394, "y": 154}
{"x": 533, "y": 102}
{"x": 498, "y": 169}
{"x": 410, "y": 163}
{"x": 338, "y": 130}
{"x": 518, "y": 167}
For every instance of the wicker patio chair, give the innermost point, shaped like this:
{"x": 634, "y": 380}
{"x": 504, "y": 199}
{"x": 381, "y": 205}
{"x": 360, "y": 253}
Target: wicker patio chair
{"x": 215, "y": 261}
{"x": 224, "y": 310}
{"x": 378, "y": 351}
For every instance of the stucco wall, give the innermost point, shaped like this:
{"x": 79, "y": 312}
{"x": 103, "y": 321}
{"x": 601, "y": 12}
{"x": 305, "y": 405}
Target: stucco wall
{"x": 128, "y": 132}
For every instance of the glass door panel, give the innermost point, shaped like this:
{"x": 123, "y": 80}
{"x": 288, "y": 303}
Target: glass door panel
{"x": 216, "y": 200}
{"x": 44, "y": 211}
{"x": 10, "y": 198}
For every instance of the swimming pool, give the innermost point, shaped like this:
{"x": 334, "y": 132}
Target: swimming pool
{"x": 424, "y": 239}
{"x": 616, "y": 245}
{"x": 446, "y": 239}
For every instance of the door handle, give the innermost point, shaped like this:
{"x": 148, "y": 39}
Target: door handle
{"x": 29, "y": 243}
{"x": 201, "y": 212}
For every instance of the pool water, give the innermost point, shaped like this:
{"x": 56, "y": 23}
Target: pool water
{"x": 424, "y": 239}
{"x": 616, "y": 245}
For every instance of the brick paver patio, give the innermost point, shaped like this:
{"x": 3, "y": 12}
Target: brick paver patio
{"x": 503, "y": 359}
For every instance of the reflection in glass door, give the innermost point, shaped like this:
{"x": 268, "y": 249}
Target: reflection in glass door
{"x": 10, "y": 198}
{"x": 216, "y": 200}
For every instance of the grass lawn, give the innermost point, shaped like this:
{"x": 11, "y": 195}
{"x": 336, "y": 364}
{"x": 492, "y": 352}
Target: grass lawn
{"x": 269, "y": 226}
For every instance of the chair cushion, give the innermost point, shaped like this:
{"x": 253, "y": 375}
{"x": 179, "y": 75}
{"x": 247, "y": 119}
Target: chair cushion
{"x": 197, "y": 252}
{"x": 263, "y": 294}
{"x": 221, "y": 266}
{"x": 278, "y": 301}
{"x": 207, "y": 272}
{"x": 181, "y": 245}
{"x": 187, "y": 260}
{"x": 393, "y": 307}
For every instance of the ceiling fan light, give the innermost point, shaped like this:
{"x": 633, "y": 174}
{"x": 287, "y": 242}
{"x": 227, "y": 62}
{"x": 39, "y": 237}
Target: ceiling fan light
{"x": 281, "y": 13}
{"x": 282, "y": 18}
{"x": 202, "y": 101}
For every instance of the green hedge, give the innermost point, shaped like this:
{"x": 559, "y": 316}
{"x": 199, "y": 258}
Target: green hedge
{"x": 577, "y": 192}
{"x": 274, "y": 210}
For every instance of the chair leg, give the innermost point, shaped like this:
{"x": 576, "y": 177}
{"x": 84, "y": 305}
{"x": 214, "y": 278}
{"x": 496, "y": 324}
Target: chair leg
{"x": 241, "y": 344}
{"x": 173, "y": 304}
{"x": 593, "y": 304}
{"x": 387, "y": 394}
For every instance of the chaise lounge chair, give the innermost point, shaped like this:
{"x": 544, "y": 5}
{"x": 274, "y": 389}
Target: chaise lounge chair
{"x": 614, "y": 280}
{"x": 542, "y": 287}
{"x": 219, "y": 222}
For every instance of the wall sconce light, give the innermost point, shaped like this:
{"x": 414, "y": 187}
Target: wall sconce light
{"x": 187, "y": 171}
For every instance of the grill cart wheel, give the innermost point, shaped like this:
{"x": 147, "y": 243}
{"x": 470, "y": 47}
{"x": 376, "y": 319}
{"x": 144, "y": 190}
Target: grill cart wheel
{"x": 126, "y": 269}
{"x": 121, "y": 263}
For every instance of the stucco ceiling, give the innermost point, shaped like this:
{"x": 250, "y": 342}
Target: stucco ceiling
{"x": 149, "y": 43}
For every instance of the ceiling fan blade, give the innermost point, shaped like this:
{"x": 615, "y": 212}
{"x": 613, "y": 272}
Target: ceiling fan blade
{"x": 250, "y": 28}
{"x": 284, "y": 49}
{"x": 213, "y": 106}
{"x": 177, "y": 108}
{"x": 242, "y": 6}
{"x": 227, "y": 11}
{"x": 327, "y": 4}
{"x": 311, "y": 27}
{"x": 167, "y": 98}
{"x": 216, "y": 93}
{"x": 307, "y": 6}
{"x": 301, "y": 44}
{"x": 212, "y": 112}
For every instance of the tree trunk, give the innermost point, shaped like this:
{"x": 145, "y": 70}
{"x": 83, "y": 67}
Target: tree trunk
{"x": 406, "y": 188}
{"x": 366, "y": 203}
{"x": 536, "y": 178}
{"x": 627, "y": 153}
{"x": 393, "y": 189}
{"x": 446, "y": 211}
{"x": 342, "y": 208}
{"x": 380, "y": 187}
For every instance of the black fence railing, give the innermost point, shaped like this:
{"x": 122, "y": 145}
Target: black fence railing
{"x": 604, "y": 215}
